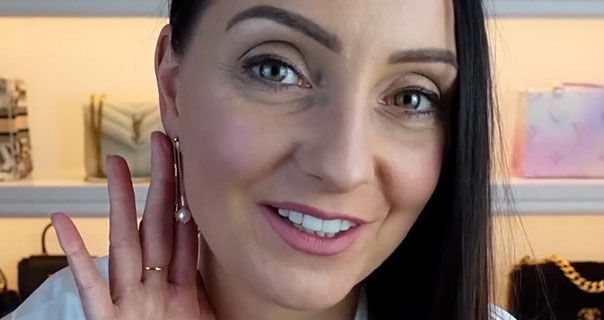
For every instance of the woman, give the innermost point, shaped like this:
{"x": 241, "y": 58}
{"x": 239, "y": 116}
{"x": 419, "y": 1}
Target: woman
{"x": 335, "y": 157}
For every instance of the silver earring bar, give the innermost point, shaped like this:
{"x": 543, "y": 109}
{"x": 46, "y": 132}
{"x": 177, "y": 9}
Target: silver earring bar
{"x": 182, "y": 213}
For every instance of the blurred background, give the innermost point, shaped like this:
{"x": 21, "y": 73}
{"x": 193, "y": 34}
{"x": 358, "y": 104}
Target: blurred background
{"x": 65, "y": 51}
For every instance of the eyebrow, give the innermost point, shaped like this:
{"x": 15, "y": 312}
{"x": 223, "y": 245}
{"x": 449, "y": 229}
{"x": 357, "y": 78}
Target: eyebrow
{"x": 424, "y": 55}
{"x": 292, "y": 20}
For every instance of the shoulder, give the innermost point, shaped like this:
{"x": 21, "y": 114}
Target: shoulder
{"x": 499, "y": 314}
{"x": 56, "y": 298}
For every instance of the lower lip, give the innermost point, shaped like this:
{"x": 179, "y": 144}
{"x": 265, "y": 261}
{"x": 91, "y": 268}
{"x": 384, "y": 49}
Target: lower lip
{"x": 308, "y": 243}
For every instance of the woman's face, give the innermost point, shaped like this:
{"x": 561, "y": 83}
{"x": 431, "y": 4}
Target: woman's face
{"x": 332, "y": 111}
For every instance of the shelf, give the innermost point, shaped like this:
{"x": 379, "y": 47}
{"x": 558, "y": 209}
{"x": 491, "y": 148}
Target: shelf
{"x": 554, "y": 197}
{"x": 76, "y": 197}
{"x": 545, "y": 8}
{"x": 81, "y": 199}
{"x": 84, "y": 8}
{"x": 157, "y": 8}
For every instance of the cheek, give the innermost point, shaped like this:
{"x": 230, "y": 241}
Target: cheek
{"x": 228, "y": 147}
{"x": 414, "y": 168}
{"x": 411, "y": 175}
{"x": 415, "y": 173}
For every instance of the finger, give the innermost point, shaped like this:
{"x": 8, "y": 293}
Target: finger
{"x": 125, "y": 263}
{"x": 156, "y": 227}
{"x": 94, "y": 293}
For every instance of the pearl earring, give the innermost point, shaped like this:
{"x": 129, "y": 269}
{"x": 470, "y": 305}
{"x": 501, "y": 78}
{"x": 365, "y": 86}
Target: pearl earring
{"x": 182, "y": 213}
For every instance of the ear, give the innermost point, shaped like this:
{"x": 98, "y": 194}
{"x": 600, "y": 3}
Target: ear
{"x": 167, "y": 75}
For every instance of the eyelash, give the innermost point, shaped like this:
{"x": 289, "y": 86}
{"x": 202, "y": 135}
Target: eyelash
{"x": 252, "y": 62}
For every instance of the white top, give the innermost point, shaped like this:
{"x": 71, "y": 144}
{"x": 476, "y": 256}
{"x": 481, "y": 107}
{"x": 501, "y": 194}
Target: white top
{"x": 57, "y": 298}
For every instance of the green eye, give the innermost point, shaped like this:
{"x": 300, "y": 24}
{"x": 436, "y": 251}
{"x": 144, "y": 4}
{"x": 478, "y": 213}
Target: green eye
{"x": 407, "y": 100}
{"x": 413, "y": 100}
{"x": 276, "y": 71}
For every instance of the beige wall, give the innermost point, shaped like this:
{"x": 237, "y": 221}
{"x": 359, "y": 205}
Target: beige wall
{"x": 542, "y": 53}
{"x": 20, "y": 238}
{"x": 64, "y": 60}
{"x": 573, "y": 237}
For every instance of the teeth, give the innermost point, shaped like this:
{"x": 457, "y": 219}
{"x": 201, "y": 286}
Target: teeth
{"x": 309, "y": 231}
{"x": 295, "y": 217}
{"x": 332, "y": 226}
{"x": 284, "y": 213}
{"x": 347, "y": 225}
{"x": 312, "y": 223}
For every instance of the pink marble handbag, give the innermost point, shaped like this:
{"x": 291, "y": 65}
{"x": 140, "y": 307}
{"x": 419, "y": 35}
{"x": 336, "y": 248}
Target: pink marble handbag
{"x": 560, "y": 133}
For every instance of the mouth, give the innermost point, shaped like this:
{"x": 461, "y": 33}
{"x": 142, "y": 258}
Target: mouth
{"x": 315, "y": 226}
{"x": 310, "y": 234}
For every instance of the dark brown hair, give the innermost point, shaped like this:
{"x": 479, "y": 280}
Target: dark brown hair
{"x": 184, "y": 17}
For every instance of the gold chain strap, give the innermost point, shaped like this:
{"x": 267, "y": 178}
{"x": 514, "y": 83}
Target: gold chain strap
{"x": 575, "y": 277}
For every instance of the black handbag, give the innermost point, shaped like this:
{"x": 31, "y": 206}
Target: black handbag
{"x": 33, "y": 271}
{"x": 9, "y": 300}
{"x": 555, "y": 289}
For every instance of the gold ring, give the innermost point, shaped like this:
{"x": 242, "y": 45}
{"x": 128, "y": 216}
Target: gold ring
{"x": 154, "y": 268}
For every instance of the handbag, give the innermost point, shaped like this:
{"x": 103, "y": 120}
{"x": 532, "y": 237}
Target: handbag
{"x": 560, "y": 132}
{"x": 33, "y": 271}
{"x": 9, "y": 300}
{"x": 557, "y": 289}
{"x": 15, "y": 148}
{"x": 121, "y": 129}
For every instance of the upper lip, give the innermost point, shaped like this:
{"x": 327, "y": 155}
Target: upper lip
{"x": 315, "y": 212}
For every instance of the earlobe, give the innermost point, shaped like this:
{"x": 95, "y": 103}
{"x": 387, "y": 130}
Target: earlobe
{"x": 167, "y": 76}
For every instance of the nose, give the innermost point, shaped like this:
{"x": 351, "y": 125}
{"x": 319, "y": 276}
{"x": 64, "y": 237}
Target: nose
{"x": 338, "y": 150}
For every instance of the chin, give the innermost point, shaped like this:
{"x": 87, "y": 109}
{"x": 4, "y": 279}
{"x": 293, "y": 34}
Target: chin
{"x": 309, "y": 292}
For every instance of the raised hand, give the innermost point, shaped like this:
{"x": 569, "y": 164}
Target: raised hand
{"x": 152, "y": 270}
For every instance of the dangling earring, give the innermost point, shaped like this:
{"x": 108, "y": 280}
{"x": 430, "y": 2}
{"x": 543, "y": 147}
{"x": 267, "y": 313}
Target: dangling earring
{"x": 182, "y": 213}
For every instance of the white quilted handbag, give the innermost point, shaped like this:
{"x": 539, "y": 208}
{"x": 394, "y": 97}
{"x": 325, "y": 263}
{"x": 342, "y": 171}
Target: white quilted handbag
{"x": 122, "y": 129}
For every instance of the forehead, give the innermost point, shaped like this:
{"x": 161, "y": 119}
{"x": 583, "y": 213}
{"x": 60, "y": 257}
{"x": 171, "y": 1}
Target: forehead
{"x": 366, "y": 24}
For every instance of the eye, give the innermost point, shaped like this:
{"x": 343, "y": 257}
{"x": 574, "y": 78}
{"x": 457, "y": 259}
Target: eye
{"x": 276, "y": 71}
{"x": 414, "y": 100}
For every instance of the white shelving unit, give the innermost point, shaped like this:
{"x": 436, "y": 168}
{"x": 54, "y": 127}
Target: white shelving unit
{"x": 29, "y": 198}
{"x": 554, "y": 197}
{"x": 546, "y": 8}
{"x": 84, "y": 8}
{"x": 40, "y": 198}
{"x": 81, "y": 199}
{"x": 130, "y": 8}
